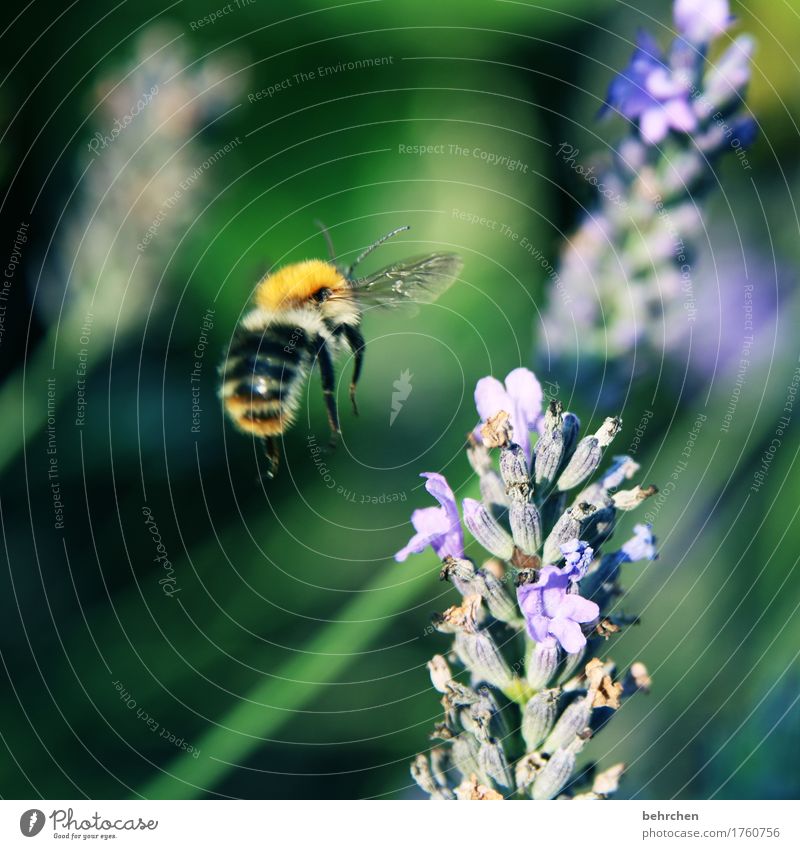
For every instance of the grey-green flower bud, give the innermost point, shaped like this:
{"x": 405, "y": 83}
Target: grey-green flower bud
{"x": 571, "y": 429}
{"x": 568, "y": 527}
{"x": 550, "y": 447}
{"x": 479, "y": 653}
{"x": 572, "y": 661}
{"x": 514, "y": 470}
{"x": 460, "y": 572}
{"x": 421, "y": 773}
{"x": 464, "y": 754}
{"x": 542, "y": 664}
{"x": 584, "y": 461}
{"x": 487, "y": 530}
{"x": 588, "y": 454}
{"x": 440, "y": 673}
{"x": 492, "y": 489}
{"x": 493, "y": 761}
{"x": 572, "y": 722}
{"x": 629, "y": 499}
{"x": 496, "y": 597}
{"x": 526, "y": 526}
{"x": 538, "y": 717}
{"x": 586, "y": 521}
{"x": 555, "y": 773}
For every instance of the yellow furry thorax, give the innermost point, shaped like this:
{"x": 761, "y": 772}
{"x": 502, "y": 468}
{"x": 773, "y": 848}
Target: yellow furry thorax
{"x": 293, "y": 284}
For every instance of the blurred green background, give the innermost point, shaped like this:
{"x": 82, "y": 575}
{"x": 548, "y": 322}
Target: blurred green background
{"x": 291, "y": 656}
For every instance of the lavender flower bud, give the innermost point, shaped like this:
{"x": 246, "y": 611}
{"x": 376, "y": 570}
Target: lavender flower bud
{"x": 476, "y": 719}
{"x": 526, "y": 526}
{"x": 514, "y": 470}
{"x": 628, "y": 499}
{"x": 460, "y": 572}
{"x": 464, "y": 754}
{"x": 571, "y": 663}
{"x": 528, "y": 767}
{"x": 421, "y": 773}
{"x": 479, "y": 653}
{"x": 440, "y": 767}
{"x": 500, "y": 603}
{"x": 493, "y": 762}
{"x": 486, "y": 529}
{"x": 542, "y": 665}
{"x": 583, "y": 462}
{"x": 556, "y": 772}
{"x": 571, "y": 428}
{"x": 440, "y": 673}
{"x": 492, "y": 489}
{"x": 499, "y": 723}
{"x": 459, "y": 695}
{"x": 588, "y": 454}
{"x": 554, "y": 775}
{"x": 571, "y": 723}
{"x": 550, "y": 447}
{"x": 568, "y": 527}
{"x": 539, "y": 717}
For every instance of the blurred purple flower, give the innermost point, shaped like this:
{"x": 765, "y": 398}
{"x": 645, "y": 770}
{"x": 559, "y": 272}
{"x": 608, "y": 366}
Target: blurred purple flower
{"x": 521, "y": 398}
{"x": 700, "y": 21}
{"x": 578, "y": 556}
{"x": 648, "y": 92}
{"x": 552, "y": 613}
{"x": 641, "y": 546}
{"x": 437, "y": 527}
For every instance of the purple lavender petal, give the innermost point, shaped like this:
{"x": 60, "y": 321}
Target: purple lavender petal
{"x": 700, "y": 21}
{"x": 680, "y": 115}
{"x": 641, "y": 546}
{"x": 578, "y": 609}
{"x": 438, "y": 527}
{"x": 526, "y": 393}
{"x": 654, "y": 125}
{"x": 538, "y": 628}
{"x": 491, "y": 397}
{"x": 569, "y": 634}
{"x": 416, "y": 545}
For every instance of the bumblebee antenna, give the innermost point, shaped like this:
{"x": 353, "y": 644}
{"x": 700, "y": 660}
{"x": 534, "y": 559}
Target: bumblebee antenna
{"x": 372, "y": 247}
{"x": 328, "y": 240}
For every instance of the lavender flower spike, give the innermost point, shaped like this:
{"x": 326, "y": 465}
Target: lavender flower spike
{"x": 542, "y": 637}
{"x": 437, "y": 527}
{"x": 625, "y": 277}
{"x": 647, "y": 92}
{"x": 553, "y": 613}
{"x": 521, "y": 398}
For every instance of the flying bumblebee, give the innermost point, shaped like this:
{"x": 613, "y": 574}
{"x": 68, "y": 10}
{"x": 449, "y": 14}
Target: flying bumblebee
{"x": 305, "y": 314}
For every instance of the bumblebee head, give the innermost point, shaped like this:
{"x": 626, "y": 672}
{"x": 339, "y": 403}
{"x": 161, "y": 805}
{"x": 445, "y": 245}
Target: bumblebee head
{"x": 309, "y": 283}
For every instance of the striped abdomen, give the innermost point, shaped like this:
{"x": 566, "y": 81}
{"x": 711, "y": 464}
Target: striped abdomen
{"x": 263, "y": 377}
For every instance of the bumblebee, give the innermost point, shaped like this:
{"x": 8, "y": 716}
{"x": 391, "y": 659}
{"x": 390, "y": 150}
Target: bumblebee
{"x": 305, "y": 314}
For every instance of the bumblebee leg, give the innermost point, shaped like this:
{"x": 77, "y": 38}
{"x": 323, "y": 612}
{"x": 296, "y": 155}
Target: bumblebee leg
{"x": 327, "y": 375}
{"x": 356, "y": 342}
{"x": 272, "y": 452}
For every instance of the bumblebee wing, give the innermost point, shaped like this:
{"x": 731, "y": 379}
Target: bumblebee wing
{"x": 419, "y": 280}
